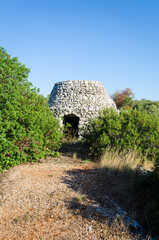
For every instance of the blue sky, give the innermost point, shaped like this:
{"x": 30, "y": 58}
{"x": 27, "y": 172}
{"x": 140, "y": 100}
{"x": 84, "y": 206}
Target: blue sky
{"x": 112, "y": 41}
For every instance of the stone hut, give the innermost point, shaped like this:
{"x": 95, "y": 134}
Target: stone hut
{"x": 77, "y": 101}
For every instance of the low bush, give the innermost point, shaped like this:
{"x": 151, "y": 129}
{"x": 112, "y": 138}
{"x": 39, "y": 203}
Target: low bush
{"x": 128, "y": 130}
{"x": 28, "y": 129}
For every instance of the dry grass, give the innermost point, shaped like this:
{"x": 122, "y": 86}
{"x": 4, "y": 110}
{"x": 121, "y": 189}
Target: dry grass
{"x": 148, "y": 164}
{"x": 74, "y": 156}
{"x": 123, "y": 162}
{"x": 120, "y": 171}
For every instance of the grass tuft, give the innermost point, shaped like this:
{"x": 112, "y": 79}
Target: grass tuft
{"x": 123, "y": 162}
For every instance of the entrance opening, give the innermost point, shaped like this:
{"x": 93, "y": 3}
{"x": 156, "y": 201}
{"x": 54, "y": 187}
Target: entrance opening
{"x": 73, "y": 122}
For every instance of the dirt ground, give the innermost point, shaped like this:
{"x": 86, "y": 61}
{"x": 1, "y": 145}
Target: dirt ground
{"x": 59, "y": 198}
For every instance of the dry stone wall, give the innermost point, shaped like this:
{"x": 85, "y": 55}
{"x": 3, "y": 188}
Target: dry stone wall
{"x": 80, "y": 98}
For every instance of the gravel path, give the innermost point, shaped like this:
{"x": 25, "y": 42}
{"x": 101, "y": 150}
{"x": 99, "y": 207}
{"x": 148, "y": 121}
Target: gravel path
{"x": 57, "y": 199}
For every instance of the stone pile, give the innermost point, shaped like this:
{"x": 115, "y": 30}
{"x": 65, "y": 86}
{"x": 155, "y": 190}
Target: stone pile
{"x": 79, "y": 98}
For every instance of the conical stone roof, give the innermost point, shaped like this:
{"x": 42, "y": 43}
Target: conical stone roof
{"x": 81, "y": 98}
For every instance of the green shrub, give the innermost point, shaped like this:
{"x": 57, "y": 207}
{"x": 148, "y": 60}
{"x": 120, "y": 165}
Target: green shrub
{"x": 28, "y": 130}
{"x": 151, "y": 107}
{"x": 128, "y": 130}
{"x": 102, "y": 132}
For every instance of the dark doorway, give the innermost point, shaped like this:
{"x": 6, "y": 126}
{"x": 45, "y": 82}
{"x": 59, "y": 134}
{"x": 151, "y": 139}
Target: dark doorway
{"x": 73, "y": 121}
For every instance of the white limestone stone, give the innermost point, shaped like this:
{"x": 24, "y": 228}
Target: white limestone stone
{"x": 81, "y": 98}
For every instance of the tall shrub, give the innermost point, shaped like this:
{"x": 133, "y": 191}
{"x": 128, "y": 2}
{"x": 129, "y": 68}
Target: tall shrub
{"x": 28, "y": 130}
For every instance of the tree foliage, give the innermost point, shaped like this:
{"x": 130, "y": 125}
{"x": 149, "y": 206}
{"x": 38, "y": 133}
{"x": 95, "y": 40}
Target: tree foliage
{"x": 123, "y": 98}
{"x": 151, "y": 107}
{"x": 28, "y": 130}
